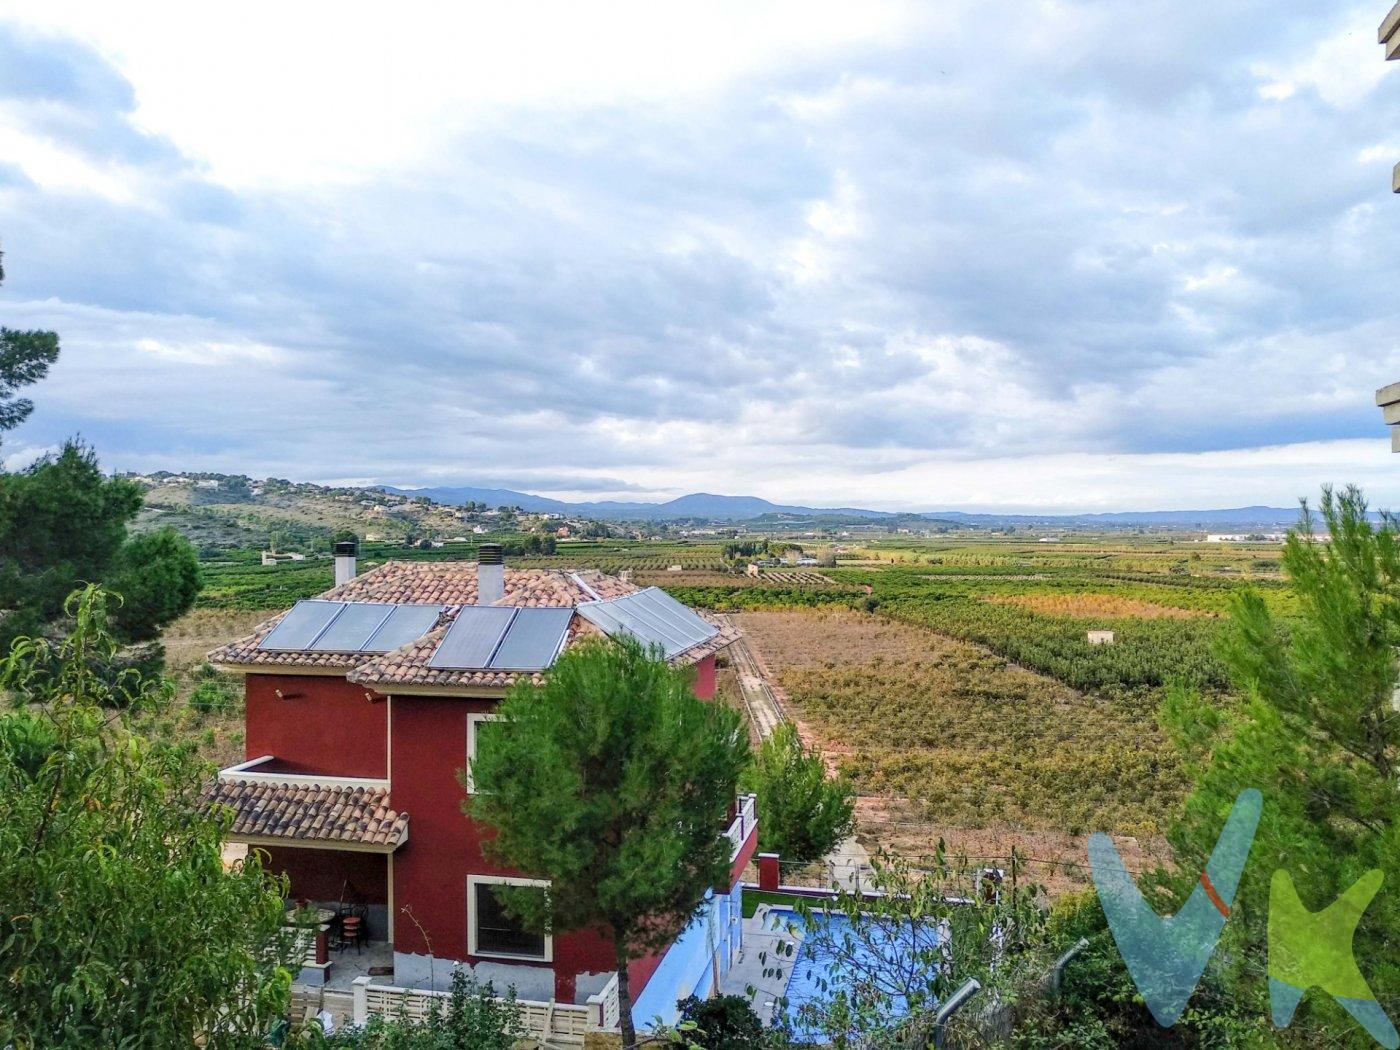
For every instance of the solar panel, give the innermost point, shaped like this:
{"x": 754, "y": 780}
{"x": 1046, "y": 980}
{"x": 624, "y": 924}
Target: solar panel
{"x": 653, "y": 617}
{"x": 472, "y": 639}
{"x": 349, "y": 631}
{"x": 532, "y": 640}
{"x": 677, "y": 615}
{"x": 405, "y": 624}
{"x": 302, "y": 624}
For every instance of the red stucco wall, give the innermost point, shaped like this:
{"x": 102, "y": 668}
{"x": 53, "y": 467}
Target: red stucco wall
{"x": 332, "y": 875}
{"x": 324, "y": 725}
{"x": 705, "y": 678}
{"x": 444, "y": 846}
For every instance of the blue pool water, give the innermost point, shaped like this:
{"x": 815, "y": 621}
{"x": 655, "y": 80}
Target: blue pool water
{"x": 815, "y": 964}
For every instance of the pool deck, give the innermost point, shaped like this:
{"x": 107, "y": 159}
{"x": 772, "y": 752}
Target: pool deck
{"x": 761, "y": 952}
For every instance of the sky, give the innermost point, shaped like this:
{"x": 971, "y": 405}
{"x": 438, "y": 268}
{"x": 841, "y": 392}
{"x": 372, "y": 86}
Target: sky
{"x": 989, "y": 256}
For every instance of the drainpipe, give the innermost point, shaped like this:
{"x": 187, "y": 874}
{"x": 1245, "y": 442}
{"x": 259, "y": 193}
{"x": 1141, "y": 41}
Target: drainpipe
{"x": 955, "y": 1002}
{"x": 1057, "y": 973}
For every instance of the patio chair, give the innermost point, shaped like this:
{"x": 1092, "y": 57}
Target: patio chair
{"x": 353, "y": 930}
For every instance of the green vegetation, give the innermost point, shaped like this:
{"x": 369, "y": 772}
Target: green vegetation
{"x": 722, "y": 1022}
{"x": 805, "y": 813}
{"x": 471, "y": 1018}
{"x": 1320, "y": 737}
{"x": 63, "y": 523}
{"x": 913, "y": 940}
{"x": 25, "y": 358}
{"x": 614, "y": 782}
{"x": 121, "y": 926}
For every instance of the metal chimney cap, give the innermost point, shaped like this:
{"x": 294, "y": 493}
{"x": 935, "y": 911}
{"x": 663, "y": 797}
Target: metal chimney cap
{"x": 490, "y": 554}
{"x": 346, "y": 548}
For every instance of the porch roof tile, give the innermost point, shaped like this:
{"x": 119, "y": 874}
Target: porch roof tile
{"x": 302, "y": 809}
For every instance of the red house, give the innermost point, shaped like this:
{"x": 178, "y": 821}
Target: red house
{"x": 364, "y": 706}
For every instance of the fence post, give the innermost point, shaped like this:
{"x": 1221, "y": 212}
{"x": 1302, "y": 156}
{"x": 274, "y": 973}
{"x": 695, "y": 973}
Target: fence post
{"x": 768, "y": 877}
{"x": 359, "y": 989}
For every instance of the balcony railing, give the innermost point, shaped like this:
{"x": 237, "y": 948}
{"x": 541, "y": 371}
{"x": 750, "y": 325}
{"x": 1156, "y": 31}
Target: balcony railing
{"x": 255, "y": 770}
{"x": 743, "y": 825}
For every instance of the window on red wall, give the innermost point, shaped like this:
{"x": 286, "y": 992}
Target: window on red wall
{"x": 493, "y": 931}
{"x": 479, "y": 729}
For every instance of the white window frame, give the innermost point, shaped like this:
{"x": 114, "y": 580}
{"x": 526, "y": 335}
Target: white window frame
{"x": 473, "y": 720}
{"x": 473, "y": 881}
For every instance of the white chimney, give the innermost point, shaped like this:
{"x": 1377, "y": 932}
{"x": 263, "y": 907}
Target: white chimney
{"x": 490, "y": 574}
{"x": 345, "y": 552}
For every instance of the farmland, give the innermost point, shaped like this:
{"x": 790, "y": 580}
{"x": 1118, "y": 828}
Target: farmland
{"x": 963, "y": 696}
{"x": 951, "y": 679}
{"x": 977, "y": 741}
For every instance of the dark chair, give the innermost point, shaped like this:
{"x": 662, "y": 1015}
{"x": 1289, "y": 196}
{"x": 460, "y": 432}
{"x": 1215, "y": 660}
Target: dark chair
{"x": 352, "y": 930}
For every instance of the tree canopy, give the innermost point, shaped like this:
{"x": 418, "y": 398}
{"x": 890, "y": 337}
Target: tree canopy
{"x": 805, "y": 813}
{"x": 1319, "y": 735}
{"x": 25, "y": 358}
{"x": 615, "y": 783}
{"x": 63, "y": 523}
{"x": 120, "y": 924}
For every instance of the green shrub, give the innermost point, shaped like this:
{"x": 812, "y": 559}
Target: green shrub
{"x": 211, "y": 696}
{"x": 803, "y": 813}
{"x": 726, "y": 1022}
{"x": 471, "y": 1018}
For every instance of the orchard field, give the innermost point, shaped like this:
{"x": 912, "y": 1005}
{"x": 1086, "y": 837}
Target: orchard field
{"x": 956, "y": 684}
{"x": 952, "y": 679}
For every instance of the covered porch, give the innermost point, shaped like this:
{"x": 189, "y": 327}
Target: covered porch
{"x": 333, "y": 838}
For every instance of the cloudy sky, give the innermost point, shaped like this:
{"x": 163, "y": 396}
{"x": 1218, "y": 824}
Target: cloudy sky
{"x": 1056, "y": 255}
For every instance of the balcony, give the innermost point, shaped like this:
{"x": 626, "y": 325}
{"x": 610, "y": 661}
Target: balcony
{"x": 743, "y": 826}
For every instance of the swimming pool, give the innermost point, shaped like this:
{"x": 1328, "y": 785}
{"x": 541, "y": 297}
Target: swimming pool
{"x": 838, "y": 959}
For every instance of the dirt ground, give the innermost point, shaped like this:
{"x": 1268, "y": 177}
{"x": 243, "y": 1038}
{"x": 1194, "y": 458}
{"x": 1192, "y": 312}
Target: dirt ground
{"x": 856, "y": 652}
{"x": 200, "y": 630}
{"x": 218, "y": 735}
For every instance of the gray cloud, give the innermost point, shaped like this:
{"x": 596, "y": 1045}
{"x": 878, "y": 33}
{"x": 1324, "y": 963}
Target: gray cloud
{"x": 1071, "y": 235}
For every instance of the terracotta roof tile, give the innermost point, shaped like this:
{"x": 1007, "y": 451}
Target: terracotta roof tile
{"x": 310, "y": 811}
{"x": 409, "y": 664}
{"x": 452, "y": 584}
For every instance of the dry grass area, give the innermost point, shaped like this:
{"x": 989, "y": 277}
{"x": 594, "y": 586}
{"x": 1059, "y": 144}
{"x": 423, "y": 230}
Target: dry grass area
{"x": 218, "y": 734}
{"x": 1095, "y": 606}
{"x": 958, "y": 740}
{"x": 194, "y": 634}
{"x": 1056, "y": 860}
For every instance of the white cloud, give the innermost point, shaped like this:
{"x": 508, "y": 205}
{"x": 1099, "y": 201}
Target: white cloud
{"x": 822, "y": 253}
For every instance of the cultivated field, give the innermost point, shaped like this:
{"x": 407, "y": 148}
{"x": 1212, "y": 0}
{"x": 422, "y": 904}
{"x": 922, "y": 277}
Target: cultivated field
{"x": 971, "y": 739}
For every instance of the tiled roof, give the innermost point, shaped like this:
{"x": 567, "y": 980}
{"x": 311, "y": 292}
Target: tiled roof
{"x": 442, "y": 583}
{"x": 409, "y": 665}
{"x": 310, "y": 811}
{"x": 452, "y": 584}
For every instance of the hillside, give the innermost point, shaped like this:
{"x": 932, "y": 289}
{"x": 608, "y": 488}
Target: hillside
{"x": 220, "y": 510}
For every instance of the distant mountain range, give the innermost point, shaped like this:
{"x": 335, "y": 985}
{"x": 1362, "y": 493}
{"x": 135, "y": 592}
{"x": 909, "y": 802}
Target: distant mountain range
{"x": 707, "y": 506}
{"x": 698, "y": 505}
